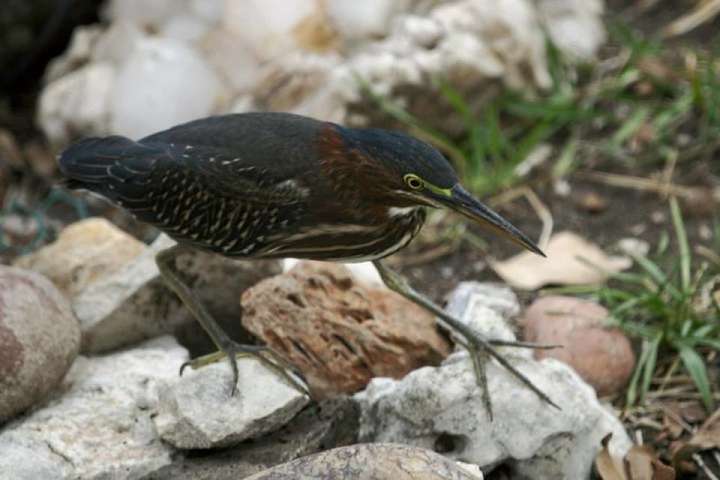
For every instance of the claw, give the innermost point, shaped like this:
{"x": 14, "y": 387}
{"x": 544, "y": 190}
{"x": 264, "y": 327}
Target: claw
{"x": 226, "y": 346}
{"x": 478, "y": 346}
{"x": 479, "y": 358}
{"x": 232, "y": 351}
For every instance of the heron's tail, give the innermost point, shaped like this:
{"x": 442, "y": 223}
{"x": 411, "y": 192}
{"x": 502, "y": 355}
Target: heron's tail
{"x": 107, "y": 165}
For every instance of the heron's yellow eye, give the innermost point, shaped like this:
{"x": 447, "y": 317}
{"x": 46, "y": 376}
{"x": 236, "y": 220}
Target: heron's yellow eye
{"x": 413, "y": 181}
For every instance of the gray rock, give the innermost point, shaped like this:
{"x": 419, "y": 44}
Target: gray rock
{"x": 329, "y": 424}
{"x": 442, "y": 408}
{"x": 197, "y": 411}
{"x": 25, "y": 458}
{"x": 370, "y": 462}
{"x": 39, "y": 339}
{"x": 134, "y": 304}
{"x": 101, "y": 426}
{"x": 496, "y": 296}
{"x": 486, "y": 307}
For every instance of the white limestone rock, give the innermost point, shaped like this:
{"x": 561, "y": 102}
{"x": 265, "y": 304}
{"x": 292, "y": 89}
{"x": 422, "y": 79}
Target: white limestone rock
{"x": 198, "y": 412}
{"x": 187, "y": 28}
{"x": 25, "y": 458}
{"x": 292, "y": 85}
{"x": 444, "y": 404}
{"x": 118, "y": 42}
{"x": 496, "y": 296}
{"x": 101, "y": 426}
{"x": 190, "y": 58}
{"x": 234, "y": 61}
{"x": 78, "y": 102}
{"x": 82, "y": 44}
{"x": 269, "y": 28}
{"x": 371, "y": 462}
{"x": 575, "y": 26}
{"x": 364, "y": 20}
{"x": 146, "y": 14}
{"x": 538, "y": 440}
{"x": 163, "y": 83}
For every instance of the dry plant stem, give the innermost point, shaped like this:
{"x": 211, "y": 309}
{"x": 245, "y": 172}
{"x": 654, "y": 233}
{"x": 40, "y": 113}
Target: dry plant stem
{"x": 704, "y": 12}
{"x": 227, "y": 347}
{"x": 677, "y": 419}
{"x": 637, "y": 183}
{"x": 708, "y": 254}
{"x": 667, "y": 175}
{"x": 478, "y": 346}
{"x": 701, "y": 463}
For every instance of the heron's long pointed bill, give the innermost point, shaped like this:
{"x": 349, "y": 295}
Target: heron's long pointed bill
{"x": 464, "y": 203}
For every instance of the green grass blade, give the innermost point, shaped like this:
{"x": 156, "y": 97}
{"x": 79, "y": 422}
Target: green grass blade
{"x": 631, "y": 126}
{"x": 682, "y": 243}
{"x": 632, "y": 391}
{"x": 650, "y": 363}
{"x": 710, "y": 342}
{"x": 695, "y": 366}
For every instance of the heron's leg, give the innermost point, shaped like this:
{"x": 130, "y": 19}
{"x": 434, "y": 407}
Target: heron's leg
{"x": 478, "y": 346}
{"x": 227, "y": 347}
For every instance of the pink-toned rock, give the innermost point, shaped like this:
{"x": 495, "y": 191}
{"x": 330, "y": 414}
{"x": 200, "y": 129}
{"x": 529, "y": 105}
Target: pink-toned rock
{"x": 340, "y": 333}
{"x": 39, "y": 339}
{"x": 601, "y": 355}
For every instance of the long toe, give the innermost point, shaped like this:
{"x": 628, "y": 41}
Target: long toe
{"x": 271, "y": 360}
{"x": 483, "y": 347}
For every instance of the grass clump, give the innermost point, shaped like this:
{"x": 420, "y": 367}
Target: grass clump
{"x": 672, "y": 310}
{"x": 640, "y": 105}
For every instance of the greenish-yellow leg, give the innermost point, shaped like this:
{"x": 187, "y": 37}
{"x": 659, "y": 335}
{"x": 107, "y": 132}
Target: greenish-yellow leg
{"x": 227, "y": 347}
{"x": 478, "y": 346}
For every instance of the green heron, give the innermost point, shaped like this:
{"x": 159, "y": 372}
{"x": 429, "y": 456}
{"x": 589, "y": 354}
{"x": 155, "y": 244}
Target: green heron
{"x": 275, "y": 185}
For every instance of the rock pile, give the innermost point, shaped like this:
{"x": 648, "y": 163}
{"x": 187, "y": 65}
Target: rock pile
{"x": 194, "y": 58}
{"x": 440, "y": 407}
{"x": 127, "y": 414}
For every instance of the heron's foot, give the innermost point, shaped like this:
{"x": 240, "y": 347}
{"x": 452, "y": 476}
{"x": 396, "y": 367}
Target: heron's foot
{"x": 232, "y": 351}
{"x": 481, "y": 349}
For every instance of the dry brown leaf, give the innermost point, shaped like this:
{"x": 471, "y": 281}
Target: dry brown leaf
{"x": 607, "y": 466}
{"x": 571, "y": 260}
{"x": 672, "y": 426}
{"x": 708, "y": 435}
{"x": 640, "y": 463}
{"x": 644, "y": 464}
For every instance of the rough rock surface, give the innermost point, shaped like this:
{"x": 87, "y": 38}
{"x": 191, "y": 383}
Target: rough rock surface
{"x": 370, "y": 462}
{"x": 100, "y": 427}
{"x": 327, "y": 424}
{"x": 198, "y": 411}
{"x": 496, "y": 296}
{"x": 339, "y": 333}
{"x": 485, "y": 307}
{"x": 134, "y": 304}
{"x": 602, "y": 355}
{"x": 168, "y": 70}
{"x": 85, "y": 252}
{"x": 441, "y": 408}
{"x": 302, "y": 56}
{"x": 39, "y": 339}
